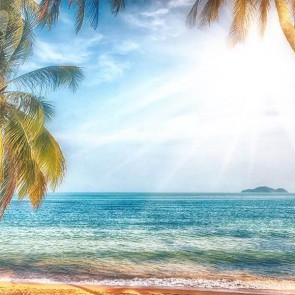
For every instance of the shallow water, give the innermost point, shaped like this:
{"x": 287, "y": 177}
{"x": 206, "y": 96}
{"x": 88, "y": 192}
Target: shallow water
{"x": 194, "y": 240}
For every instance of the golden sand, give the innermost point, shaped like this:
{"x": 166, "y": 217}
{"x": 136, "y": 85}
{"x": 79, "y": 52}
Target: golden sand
{"x": 60, "y": 289}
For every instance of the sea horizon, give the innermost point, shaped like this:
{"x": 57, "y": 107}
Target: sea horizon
{"x": 168, "y": 192}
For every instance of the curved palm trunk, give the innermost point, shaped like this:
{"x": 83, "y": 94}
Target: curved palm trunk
{"x": 285, "y": 21}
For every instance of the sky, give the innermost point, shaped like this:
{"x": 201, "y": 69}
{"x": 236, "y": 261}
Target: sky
{"x": 167, "y": 108}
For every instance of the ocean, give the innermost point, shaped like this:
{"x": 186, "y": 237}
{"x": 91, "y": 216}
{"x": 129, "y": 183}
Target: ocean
{"x": 228, "y": 241}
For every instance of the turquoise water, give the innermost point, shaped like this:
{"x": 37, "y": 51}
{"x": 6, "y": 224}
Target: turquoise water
{"x": 194, "y": 240}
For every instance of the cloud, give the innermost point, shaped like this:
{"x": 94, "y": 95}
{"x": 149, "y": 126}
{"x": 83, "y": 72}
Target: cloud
{"x": 107, "y": 68}
{"x": 126, "y": 47}
{"x": 155, "y": 13}
{"x": 161, "y": 21}
{"x": 76, "y": 51}
{"x": 180, "y": 3}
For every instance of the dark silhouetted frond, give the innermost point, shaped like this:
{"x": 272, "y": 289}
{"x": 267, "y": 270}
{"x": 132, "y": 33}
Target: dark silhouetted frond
{"x": 93, "y": 13}
{"x": 80, "y": 13}
{"x": 49, "y": 12}
{"x": 117, "y": 6}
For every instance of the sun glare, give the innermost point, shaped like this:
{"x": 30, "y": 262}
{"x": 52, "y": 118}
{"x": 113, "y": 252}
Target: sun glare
{"x": 246, "y": 93}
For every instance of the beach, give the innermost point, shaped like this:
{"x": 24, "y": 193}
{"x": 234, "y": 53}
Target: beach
{"x": 64, "y": 289}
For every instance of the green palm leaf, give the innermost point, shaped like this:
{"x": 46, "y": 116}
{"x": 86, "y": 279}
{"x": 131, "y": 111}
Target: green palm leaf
{"x": 4, "y": 19}
{"x": 49, "y": 78}
{"x": 30, "y": 104}
{"x": 49, "y": 158}
{"x": 24, "y": 47}
{"x": 8, "y": 184}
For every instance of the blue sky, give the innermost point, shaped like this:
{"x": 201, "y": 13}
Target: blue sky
{"x": 165, "y": 108}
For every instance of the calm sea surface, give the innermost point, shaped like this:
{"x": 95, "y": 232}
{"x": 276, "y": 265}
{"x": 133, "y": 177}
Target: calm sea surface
{"x": 191, "y": 240}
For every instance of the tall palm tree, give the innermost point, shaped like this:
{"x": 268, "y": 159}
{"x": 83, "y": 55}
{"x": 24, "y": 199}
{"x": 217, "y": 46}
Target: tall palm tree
{"x": 31, "y": 160}
{"x": 243, "y": 11}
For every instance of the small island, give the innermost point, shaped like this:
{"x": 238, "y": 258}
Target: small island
{"x": 266, "y": 189}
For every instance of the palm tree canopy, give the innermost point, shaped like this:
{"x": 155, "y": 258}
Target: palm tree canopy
{"x": 49, "y": 11}
{"x": 31, "y": 160}
{"x": 203, "y": 12}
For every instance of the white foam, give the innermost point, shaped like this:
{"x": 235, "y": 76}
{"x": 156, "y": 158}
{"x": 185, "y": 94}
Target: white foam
{"x": 198, "y": 283}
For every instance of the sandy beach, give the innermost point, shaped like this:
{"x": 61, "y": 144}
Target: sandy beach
{"x": 64, "y": 289}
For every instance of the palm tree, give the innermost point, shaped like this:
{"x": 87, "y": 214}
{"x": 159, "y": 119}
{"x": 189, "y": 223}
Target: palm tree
{"x": 243, "y": 11}
{"x": 31, "y": 160}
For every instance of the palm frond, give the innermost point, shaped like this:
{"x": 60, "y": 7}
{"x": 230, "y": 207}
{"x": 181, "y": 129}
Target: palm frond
{"x": 49, "y": 78}
{"x": 117, "y": 6}
{"x": 4, "y": 19}
{"x": 38, "y": 190}
{"x": 18, "y": 143}
{"x": 1, "y": 153}
{"x": 210, "y": 12}
{"x": 25, "y": 46}
{"x": 264, "y": 6}
{"x": 30, "y": 5}
{"x": 93, "y": 13}
{"x": 30, "y": 104}
{"x": 8, "y": 186}
{"x": 13, "y": 35}
{"x": 243, "y": 12}
{"x": 50, "y": 158}
{"x": 49, "y": 12}
{"x": 80, "y": 13}
{"x": 292, "y": 7}
{"x": 191, "y": 19}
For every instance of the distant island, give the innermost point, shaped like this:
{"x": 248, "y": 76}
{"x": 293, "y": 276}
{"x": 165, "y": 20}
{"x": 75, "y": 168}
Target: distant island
{"x": 265, "y": 189}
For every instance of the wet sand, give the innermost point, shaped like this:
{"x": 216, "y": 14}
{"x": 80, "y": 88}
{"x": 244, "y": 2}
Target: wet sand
{"x": 63, "y": 289}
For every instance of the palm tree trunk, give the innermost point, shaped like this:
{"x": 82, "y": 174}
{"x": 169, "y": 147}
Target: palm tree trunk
{"x": 285, "y": 21}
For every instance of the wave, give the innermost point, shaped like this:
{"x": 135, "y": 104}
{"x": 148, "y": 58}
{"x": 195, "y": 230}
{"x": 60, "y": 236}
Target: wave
{"x": 198, "y": 283}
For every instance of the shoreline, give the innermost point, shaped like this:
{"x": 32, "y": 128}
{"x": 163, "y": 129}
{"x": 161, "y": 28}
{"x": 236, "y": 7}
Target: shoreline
{"x": 18, "y": 288}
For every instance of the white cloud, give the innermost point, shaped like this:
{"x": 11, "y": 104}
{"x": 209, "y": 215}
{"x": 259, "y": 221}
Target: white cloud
{"x": 76, "y": 51}
{"x": 155, "y": 13}
{"x": 180, "y": 3}
{"x": 126, "y": 47}
{"x": 108, "y": 68}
